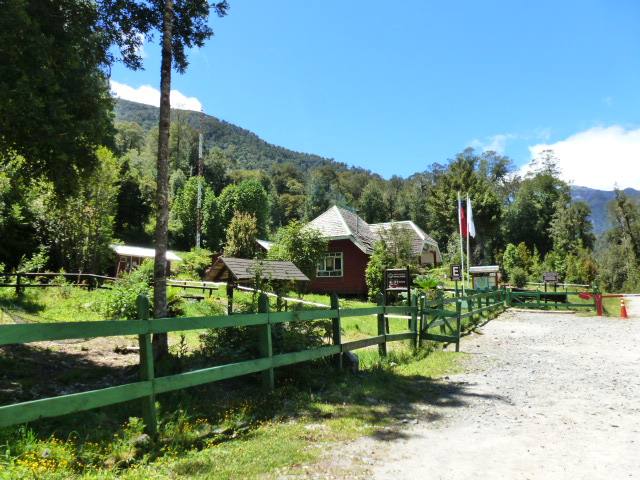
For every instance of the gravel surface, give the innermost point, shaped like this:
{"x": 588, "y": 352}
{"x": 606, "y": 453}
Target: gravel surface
{"x": 546, "y": 396}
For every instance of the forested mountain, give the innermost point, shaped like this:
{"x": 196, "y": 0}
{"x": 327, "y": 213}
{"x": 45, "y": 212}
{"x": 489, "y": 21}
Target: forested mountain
{"x": 248, "y": 151}
{"x": 244, "y": 147}
{"x": 598, "y": 200}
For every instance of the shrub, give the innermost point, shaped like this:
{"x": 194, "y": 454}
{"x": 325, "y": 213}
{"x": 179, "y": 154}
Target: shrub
{"x": 121, "y": 301}
{"x": 194, "y": 264}
{"x": 518, "y": 276}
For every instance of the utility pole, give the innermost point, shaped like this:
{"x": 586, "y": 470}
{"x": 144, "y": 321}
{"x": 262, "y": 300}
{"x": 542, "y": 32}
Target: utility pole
{"x": 200, "y": 175}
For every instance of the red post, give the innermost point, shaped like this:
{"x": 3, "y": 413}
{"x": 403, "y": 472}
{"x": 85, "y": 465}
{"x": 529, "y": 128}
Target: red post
{"x": 599, "y": 305}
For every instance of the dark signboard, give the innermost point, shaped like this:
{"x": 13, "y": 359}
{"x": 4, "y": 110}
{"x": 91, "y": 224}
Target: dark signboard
{"x": 550, "y": 277}
{"x": 456, "y": 273}
{"x": 397, "y": 279}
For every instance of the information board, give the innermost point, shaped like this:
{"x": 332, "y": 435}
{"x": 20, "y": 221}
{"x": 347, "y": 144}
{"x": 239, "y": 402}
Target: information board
{"x": 397, "y": 279}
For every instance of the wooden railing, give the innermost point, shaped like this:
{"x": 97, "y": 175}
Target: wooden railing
{"x": 541, "y": 299}
{"x": 43, "y": 280}
{"x": 448, "y": 314}
{"x": 445, "y": 314}
{"x": 149, "y": 385}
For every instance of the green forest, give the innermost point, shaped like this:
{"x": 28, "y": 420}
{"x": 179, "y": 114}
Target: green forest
{"x": 78, "y": 173}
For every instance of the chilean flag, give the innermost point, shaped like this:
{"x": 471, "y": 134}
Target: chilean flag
{"x": 462, "y": 218}
{"x": 470, "y": 225}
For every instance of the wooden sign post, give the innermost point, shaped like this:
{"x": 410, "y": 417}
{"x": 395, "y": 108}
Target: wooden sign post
{"x": 397, "y": 280}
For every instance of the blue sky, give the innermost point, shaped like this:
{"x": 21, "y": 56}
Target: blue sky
{"x": 396, "y": 86}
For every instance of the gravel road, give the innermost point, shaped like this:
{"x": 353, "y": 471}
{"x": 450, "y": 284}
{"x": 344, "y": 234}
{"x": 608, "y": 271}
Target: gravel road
{"x": 546, "y": 396}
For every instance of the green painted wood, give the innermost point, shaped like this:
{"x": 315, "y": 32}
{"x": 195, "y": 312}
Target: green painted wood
{"x": 163, "y": 325}
{"x": 305, "y": 355}
{"x": 459, "y": 325}
{"x": 336, "y": 329}
{"x": 223, "y": 372}
{"x": 266, "y": 345}
{"x": 363, "y": 343}
{"x": 400, "y": 310}
{"x": 361, "y": 312}
{"x": 382, "y": 326}
{"x": 441, "y": 338}
{"x": 77, "y": 402}
{"x": 145, "y": 389}
{"x": 300, "y": 316}
{"x": 421, "y": 318}
{"x": 396, "y": 337}
{"x": 436, "y": 322}
{"x": 211, "y": 374}
{"x": 149, "y": 414}
{"x": 413, "y": 323}
{"x": 38, "y": 332}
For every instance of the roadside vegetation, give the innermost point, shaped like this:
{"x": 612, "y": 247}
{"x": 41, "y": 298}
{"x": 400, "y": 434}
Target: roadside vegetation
{"x": 227, "y": 429}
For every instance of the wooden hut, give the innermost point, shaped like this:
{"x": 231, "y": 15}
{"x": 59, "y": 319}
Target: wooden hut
{"x": 242, "y": 271}
{"x": 129, "y": 258}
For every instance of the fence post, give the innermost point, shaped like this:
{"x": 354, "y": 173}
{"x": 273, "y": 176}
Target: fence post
{"x": 440, "y": 306}
{"x": 266, "y": 344}
{"x": 422, "y": 299}
{"x": 147, "y": 370}
{"x": 336, "y": 329}
{"x": 459, "y": 325}
{"x": 18, "y": 284}
{"x": 382, "y": 327}
{"x": 414, "y": 322}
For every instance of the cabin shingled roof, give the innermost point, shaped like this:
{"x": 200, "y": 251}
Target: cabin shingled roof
{"x": 418, "y": 236}
{"x": 242, "y": 270}
{"x": 338, "y": 222}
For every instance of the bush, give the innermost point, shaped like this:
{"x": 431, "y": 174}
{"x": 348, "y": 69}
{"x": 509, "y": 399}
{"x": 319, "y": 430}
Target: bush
{"x": 236, "y": 344}
{"x": 121, "y": 301}
{"x": 194, "y": 264}
{"x": 518, "y": 276}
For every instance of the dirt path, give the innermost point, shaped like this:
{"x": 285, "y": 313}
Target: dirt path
{"x": 548, "y": 396}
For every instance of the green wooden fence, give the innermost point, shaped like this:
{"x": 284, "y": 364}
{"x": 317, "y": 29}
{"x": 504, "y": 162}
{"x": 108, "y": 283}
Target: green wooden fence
{"x": 540, "y": 299}
{"x": 149, "y": 386}
{"x": 448, "y": 314}
{"x": 445, "y": 314}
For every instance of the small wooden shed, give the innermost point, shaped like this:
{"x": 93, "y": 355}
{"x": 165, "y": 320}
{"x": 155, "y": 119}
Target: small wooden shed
{"x": 242, "y": 271}
{"x": 129, "y": 258}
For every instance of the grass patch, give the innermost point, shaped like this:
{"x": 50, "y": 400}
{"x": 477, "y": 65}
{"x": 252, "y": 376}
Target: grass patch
{"x": 229, "y": 429}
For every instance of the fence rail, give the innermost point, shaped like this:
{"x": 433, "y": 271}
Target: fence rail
{"x": 425, "y": 316}
{"x": 87, "y": 280}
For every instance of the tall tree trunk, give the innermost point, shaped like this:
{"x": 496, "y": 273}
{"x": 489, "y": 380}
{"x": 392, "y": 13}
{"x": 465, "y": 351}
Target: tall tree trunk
{"x": 160, "y": 341}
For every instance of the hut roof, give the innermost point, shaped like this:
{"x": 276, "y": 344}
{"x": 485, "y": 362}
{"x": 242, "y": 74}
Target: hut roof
{"x": 241, "y": 270}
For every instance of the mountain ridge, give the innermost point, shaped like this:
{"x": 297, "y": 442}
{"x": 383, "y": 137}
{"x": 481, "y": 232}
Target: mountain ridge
{"x": 252, "y": 153}
{"x": 598, "y": 200}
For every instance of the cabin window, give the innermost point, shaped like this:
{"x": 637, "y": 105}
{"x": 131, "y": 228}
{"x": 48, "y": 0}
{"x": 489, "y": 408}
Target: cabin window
{"x": 331, "y": 265}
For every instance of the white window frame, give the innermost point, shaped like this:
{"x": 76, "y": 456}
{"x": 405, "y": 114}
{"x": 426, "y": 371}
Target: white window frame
{"x": 327, "y": 266}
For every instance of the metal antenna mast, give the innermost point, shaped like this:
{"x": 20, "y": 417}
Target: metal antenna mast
{"x": 200, "y": 172}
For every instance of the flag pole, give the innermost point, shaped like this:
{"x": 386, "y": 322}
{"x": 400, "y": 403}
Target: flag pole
{"x": 469, "y": 261}
{"x": 461, "y": 243}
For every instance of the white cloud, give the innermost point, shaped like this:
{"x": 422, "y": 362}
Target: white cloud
{"x": 151, "y": 96}
{"x": 496, "y": 143}
{"x": 598, "y": 158}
